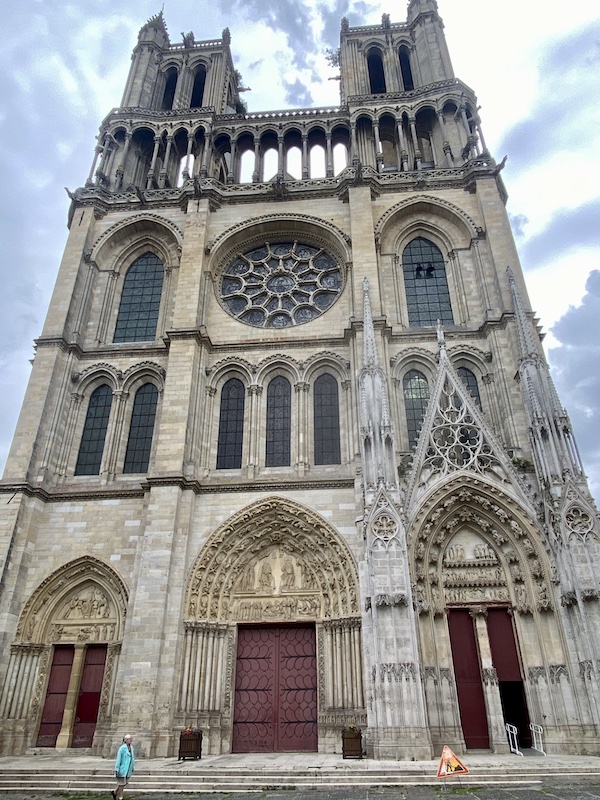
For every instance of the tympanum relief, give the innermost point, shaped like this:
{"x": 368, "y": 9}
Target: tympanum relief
{"x": 276, "y": 586}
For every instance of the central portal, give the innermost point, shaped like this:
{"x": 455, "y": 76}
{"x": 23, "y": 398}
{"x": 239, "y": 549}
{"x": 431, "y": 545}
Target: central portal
{"x": 275, "y": 689}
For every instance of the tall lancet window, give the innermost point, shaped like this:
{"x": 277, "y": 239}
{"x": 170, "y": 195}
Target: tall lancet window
{"x": 470, "y": 381}
{"x": 94, "y": 432}
{"x": 231, "y": 425}
{"x": 326, "y": 420}
{"x": 279, "y": 418}
{"x": 170, "y": 86}
{"x": 407, "y": 78}
{"x": 425, "y": 284}
{"x": 140, "y": 300}
{"x": 416, "y": 396}
{"x": 376, "y": 72}
{"x": 141, "y": 429}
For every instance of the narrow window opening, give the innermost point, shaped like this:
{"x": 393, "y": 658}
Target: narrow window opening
{"x": 279, "y": 412}
{"x": 326, "y": 420}
{"x": 231, "y": 425}
{"x": 376, "y": 73}
{"x": 91, "y": 448}
{"x": 141, "y": 429}
{"x": 405, "y": 70}
{"x": 169, "y": 93}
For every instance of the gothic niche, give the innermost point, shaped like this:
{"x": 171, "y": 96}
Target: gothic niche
{"x": 276, "y": 586}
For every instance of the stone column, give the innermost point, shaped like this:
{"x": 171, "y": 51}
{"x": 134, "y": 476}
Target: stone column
{"x": 329, "y": 163}
{"x": 446, "y": 144}
{"x": 65, "y": 735}
{"x": 491, "y": 689}
{"x": 415, "y": 141}
{"x": 150, "y": 175}
{"x": 305, "y": 170}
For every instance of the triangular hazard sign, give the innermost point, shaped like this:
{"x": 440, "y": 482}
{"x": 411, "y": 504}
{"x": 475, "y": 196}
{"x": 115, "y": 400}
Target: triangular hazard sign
{"x": 450, "y": 764}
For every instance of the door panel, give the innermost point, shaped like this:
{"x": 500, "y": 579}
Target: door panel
{"x": 506, "y": 662}
{"x": 254, "y": 708}
{"x": 297, "y": 728}
{"x": 88, "y": 702}
{"x": 469, "y": 688}
{"x": 276, "y": 690}
{"x": 56, "y": 695}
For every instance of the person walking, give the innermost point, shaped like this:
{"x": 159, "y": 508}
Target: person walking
{"x": 124, "y": 766}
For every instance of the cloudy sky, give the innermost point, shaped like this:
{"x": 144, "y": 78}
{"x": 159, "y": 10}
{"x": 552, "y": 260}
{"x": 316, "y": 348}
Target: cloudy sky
{"x": 535, "y": 67}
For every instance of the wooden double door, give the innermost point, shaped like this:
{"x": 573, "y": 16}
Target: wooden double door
{"x": 275, "y": 689}
{"x": 469, "y": 686}
{"x": 87, "y": 697}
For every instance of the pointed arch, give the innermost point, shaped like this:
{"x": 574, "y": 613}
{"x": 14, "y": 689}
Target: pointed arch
{"x": 84, "y": 593}
{"x": 225, "y": 583}
{"x": 471, "y": 543}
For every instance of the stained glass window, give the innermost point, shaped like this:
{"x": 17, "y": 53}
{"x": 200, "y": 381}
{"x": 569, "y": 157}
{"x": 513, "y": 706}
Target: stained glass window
{"x": 326, "y": 420}
{"x": 140, "y": 300}
{"x": 94, "y": 432}
{"x": 470, "y": 381}
{"x": 280, "y": 284}
{"x": 231, "y": 425}
{"x": 425, "y": 284}
{"x": 416, "y": 395}
{"x": 141, "y": 429}
{"x": 279, "y": 413}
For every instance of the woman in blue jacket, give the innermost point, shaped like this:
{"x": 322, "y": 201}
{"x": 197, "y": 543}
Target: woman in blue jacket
{"x": 124, "y": 766}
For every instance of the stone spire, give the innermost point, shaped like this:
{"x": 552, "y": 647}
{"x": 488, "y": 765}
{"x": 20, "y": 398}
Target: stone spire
{"x": 554, "y": 448}
{"x": 377, "y": 435}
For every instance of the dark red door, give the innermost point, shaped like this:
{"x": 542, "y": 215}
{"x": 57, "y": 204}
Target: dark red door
{"x": 469, "y": 688}
{"x": 275, "y": 690}
{"x": 88, "y": 702}
{"x": 508, "y": 668}
{"x": 56, "y": 695}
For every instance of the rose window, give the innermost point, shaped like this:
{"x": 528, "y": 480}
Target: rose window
{"x": 280, "y": 285}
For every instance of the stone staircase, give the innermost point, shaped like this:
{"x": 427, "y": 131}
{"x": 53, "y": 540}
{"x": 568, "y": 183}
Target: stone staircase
{"x": 53, "y": 772}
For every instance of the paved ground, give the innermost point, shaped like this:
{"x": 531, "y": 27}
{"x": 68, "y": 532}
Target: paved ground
{"x": 551, "y": 789}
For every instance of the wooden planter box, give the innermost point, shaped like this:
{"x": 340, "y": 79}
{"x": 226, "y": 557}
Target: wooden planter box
{"x": 352, "y": 744}
{"x": 190, "y": 745}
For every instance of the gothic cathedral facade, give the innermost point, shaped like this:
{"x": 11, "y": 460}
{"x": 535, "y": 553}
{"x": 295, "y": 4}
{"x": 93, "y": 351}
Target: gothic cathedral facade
{"x": 291, "y": 457}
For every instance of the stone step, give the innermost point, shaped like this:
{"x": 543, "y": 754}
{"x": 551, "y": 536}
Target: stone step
{"x": 230, "y": 780}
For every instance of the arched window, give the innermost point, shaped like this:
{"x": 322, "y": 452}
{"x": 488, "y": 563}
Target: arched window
{"x": 326, "y": 411}
{"x": 170, "y": 86}
{"x": 141, "y": 429}
{"x": 231, "y": 425}
{"x": 470, "y": 381}
{"x": 407, "y": 78}
{"x": 425, "y": 283}
{"x": 279, "y": 413}
{"x": 416, "y": 395}
{"x": 376, "y": 73}
{"x": 94, "y": 432}
{"x": 140, "y": 300}
{"x": 198, "y": 90}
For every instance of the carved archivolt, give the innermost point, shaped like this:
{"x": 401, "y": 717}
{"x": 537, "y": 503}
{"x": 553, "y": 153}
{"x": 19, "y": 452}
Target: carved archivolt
{"x": 84, "y": 601}
{"x": 275, "y": 560}
{"x": 471, "y": 549}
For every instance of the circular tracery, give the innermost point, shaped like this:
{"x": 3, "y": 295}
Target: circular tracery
{"x": 280, "y": 285}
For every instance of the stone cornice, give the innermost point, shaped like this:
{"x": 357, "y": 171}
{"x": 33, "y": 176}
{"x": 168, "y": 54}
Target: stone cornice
{"x": 61, "y": 494}
{"x": 219, "y": 194}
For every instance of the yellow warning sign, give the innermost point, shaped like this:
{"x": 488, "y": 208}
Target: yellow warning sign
{"x": 450, "y": 764}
